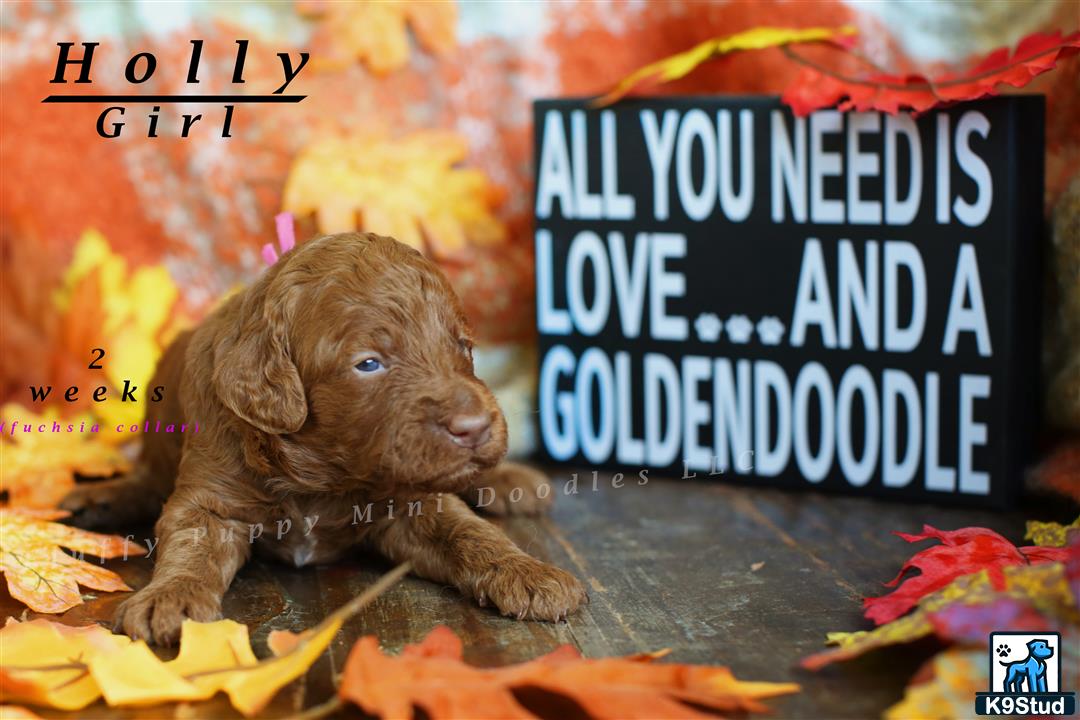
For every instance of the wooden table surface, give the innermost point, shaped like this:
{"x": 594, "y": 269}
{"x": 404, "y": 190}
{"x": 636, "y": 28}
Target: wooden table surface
{"x": 667, "y": 564}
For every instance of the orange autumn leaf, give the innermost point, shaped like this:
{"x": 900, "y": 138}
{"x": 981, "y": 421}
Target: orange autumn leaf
{"x": 43, "y": 576}
{"x": 375, "y": 32}
{"x": 432, "y": 677}
{"x": 283, "y": 642}
{"x": 411, "y": 188}
{"x": 39, "y": 467}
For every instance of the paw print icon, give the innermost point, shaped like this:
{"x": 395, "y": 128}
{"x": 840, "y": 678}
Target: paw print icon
{"x": 1002, "y": 651}
{"x": 739, "y": 329}
{"x": 708, "y": 327}
{"x": 770, "y": 330}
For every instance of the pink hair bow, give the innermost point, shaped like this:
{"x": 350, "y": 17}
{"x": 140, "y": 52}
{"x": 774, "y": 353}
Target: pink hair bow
{"x": 286, "y": 235}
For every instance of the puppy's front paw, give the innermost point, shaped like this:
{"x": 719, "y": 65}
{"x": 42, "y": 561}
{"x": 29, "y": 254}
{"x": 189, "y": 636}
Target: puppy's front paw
{"x": 156, "y": 612}
{"x": 525, "y": 588}
{"x": 511, "y": 489}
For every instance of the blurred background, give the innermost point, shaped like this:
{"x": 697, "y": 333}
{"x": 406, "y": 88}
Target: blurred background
{"x": 417, "y": 124}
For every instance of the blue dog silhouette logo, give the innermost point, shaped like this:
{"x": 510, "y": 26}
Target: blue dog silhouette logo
{"x": 1029, "y": 674}
{"x": 1025, "y": 676}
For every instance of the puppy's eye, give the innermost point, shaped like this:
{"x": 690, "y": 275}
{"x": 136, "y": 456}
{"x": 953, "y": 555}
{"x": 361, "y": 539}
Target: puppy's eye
{"x": 369, "y": 365}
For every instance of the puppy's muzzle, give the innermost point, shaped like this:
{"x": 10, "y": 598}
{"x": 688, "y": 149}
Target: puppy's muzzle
{"x": 469, "y": 430}
{"x": 467, "y": 420}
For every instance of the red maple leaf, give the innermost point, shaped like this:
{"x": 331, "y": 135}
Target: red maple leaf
{"x": 818, "y": 87}
{"x": 962, "y": 552}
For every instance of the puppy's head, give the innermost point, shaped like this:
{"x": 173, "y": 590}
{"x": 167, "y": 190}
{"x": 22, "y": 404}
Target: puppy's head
{"x": 353, "y": 356}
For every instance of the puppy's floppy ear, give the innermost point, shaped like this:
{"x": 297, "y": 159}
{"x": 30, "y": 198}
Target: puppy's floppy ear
{"x": 254, "y": 375}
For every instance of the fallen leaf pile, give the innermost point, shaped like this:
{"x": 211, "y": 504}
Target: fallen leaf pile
{"x": 818, "y": 86}
{"x": 410, "y": 188}
{"x": 375, "y": 31}
{"x": 432, "y": 676}
{"x": 39, "y": 468}
{"x": 973, "y": 583}
{"x": 43, "y": 576}
{"x": 1030, "y": 595}
{"x": 51, "y": 665}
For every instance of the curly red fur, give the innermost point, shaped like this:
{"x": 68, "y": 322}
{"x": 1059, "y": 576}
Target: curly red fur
{"x": 290, "y": 430}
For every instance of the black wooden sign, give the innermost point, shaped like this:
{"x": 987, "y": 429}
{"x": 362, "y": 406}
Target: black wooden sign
{"x": 843, "y": 301}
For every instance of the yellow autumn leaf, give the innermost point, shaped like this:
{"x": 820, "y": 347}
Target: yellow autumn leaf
{"x": 37, "y": 468}
{"x": 133, "y": 307}
{"x": 1049, "y": 534}
{"x": 134, "y": 675}
{"x": 208, "y": 649}
{"x": 52, "y": 665}
{"x": 681, "y": 64}
{"x": 250, "y": 690}
{"x": 43, "y": 576}
{"x": 411, "y": 188}
{"x": 213, "y": 657}
{"x": 44, "y": 663}
{"x": 375, "y": 32}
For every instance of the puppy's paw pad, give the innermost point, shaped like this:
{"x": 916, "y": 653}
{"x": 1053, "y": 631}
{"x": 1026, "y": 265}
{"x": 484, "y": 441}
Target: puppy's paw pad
{"x": 528, "y": 589}
{"x": 156, "y": 613}
{"x": 513, "y": 489}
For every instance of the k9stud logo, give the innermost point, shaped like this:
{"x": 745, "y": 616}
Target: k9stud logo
{"x": 1025, "y": 676}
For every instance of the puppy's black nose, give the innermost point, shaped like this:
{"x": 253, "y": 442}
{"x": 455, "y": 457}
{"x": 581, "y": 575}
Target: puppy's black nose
{"x": 469, "y": 431}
